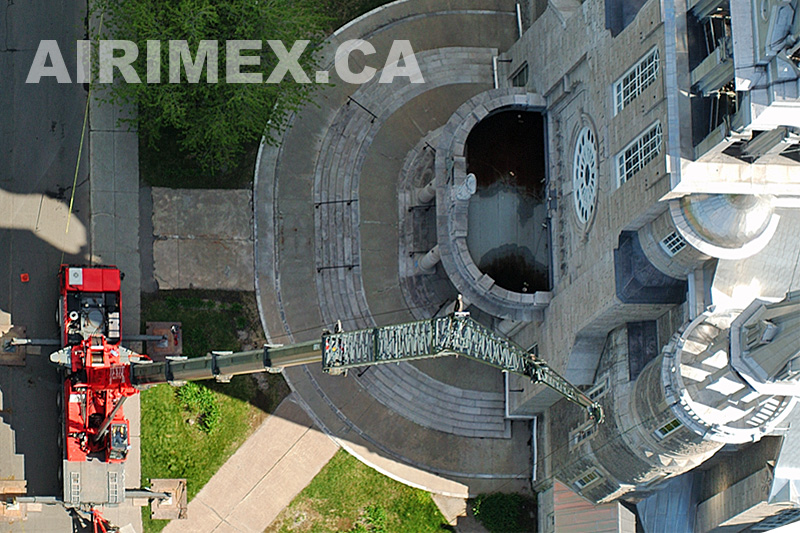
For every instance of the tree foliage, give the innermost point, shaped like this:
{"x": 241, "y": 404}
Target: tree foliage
{"x": 214, "y": 121}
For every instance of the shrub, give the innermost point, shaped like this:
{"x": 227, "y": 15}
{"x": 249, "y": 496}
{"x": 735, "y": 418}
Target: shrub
{"x": 201, "y": 402}
{"x": 501, "y": 513}
{"x": 213, "y": 122}
{"x": 373, "y": 521}
{"x": 376, "y": 518}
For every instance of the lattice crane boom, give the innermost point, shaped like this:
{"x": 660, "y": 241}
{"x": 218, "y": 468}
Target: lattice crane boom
{"x": 456, "y": 334}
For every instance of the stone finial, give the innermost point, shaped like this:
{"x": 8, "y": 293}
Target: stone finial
{"x": 465, "y": 191}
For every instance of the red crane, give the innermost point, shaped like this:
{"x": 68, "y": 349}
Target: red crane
{"x": 97, "y": 382}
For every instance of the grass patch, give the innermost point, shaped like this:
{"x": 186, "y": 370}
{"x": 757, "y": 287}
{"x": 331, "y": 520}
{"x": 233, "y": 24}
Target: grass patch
{"x": 505, "y": 513}
{"x": 166, "y": 165}
{"x": 349, "y": 496}
{"x": 202, "y": 403}
{"x": 211, "y": 320}
{"x": 177, "y": 440}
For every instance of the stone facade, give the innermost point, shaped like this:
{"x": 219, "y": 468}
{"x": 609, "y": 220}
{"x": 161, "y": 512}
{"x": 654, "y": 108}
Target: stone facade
{"x": 574, "y": 62}
{"x": 676, "y": 185}
{"x": 574, "y": 66}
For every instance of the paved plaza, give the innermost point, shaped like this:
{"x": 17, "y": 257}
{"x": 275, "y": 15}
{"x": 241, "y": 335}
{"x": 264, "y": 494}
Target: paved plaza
{"x": 328, "y": 235}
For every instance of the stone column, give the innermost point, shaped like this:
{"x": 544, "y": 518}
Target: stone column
{"x": 428, "y": 262}
{"x": 426, "y": 194}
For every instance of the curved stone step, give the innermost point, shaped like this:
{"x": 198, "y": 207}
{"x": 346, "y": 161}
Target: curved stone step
{"x": 290, "y": 179}
{"x": 436, "y": 405}
{"x": 404, "y": 389}
{"x": 435, "y": 24}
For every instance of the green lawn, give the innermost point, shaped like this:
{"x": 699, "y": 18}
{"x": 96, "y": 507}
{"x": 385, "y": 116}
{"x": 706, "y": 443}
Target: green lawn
{"x": 350, "y": 496}
{"x": 165, "y": 165}
{"x": 174, "y": 444}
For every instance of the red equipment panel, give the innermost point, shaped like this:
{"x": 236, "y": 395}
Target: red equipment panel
{"x": 93, "y": 279}
{"x": 111, "y": 279}
{"x": 98, "y": 382}
{"x": 75, "y": 411}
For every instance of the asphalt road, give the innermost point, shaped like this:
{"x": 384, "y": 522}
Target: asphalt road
{"x": 40, "y": 131}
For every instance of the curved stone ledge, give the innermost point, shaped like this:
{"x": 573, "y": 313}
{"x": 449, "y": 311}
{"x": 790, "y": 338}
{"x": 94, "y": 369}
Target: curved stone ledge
{"x": 430, "y": 403}
{"x": 477, "y": 287}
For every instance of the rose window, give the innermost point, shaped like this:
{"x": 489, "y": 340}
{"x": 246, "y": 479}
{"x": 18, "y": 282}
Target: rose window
{"x": 584, "y": 175}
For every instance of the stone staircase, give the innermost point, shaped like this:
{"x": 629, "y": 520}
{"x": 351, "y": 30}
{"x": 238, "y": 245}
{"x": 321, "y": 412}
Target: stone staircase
{"x": 402, "y": 387}
{"x": 324, "y": 152}
{"x": 338, "y": 169}
{"x": 436, "y": 405}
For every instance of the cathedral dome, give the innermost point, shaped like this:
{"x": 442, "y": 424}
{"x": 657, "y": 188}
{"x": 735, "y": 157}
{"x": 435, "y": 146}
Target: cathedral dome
{"x": 728, "y": 226}
{"x": 727, "y": 220}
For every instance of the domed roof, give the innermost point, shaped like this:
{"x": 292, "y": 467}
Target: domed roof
{"x": 727, "y": 220}
{"x": 706, "y": 390}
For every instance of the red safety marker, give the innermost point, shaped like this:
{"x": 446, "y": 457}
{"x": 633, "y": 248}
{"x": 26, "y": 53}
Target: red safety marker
{"x": 24, "y": 278}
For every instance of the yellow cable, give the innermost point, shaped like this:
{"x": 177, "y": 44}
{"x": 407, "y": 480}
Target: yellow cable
{"x": 83, "y": 136}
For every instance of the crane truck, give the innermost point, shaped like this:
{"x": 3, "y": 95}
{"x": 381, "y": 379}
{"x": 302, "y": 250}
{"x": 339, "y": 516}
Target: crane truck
{"x": 95, "y": 436}
{"x": 99, "y": 374}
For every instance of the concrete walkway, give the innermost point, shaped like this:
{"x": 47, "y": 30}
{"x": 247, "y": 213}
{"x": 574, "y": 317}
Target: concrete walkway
{"x": 262, "y": 477}
{"x": 203, "y": 238}
{"x": 114, "y": 198}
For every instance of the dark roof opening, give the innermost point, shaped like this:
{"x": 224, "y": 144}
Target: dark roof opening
{"x": 508, "y": 231}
